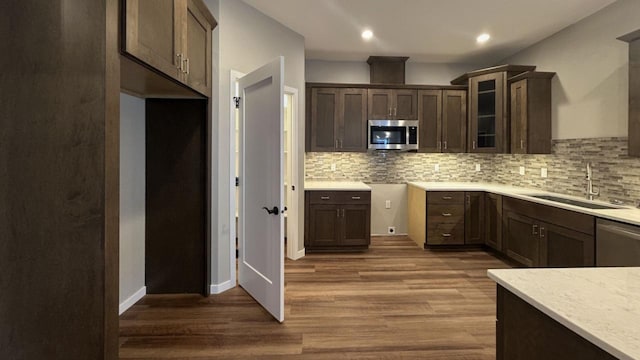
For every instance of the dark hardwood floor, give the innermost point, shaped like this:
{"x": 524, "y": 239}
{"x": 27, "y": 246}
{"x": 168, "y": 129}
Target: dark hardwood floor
{"x": 395, "y": 301}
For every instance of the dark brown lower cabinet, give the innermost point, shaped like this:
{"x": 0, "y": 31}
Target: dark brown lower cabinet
{"x": 474, "y": 217}
{"x": 337, "y": 220}
{"x": 540, "y": 235}
{"x": 521, "y": 240}
{"x": 493, "y": 221}
{"x": 525, "y": 333}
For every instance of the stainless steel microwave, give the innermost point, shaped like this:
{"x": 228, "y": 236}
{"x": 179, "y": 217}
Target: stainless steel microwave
{"x": 393, "y": 134}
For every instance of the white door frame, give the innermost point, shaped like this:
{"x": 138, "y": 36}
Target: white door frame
{"x": 292, "y": 226}
{"x": 293, "y": 212}
{"x": 233, "y": 206}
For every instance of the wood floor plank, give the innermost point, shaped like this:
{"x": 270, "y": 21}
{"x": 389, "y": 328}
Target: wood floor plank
{"x": 395, "y": 301}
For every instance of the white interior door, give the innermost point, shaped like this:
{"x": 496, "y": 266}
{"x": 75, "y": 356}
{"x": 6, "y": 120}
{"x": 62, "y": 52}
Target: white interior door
{"x": 261, "y": 222}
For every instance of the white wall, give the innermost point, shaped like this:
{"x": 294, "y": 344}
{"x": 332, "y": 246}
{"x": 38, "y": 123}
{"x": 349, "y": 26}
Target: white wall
{"x": 132, "y": 196}
{"x": 248, "y": 39}
{"x": 357, "y": 72}
{"x": 590, "y": 90}
{"x": 381, "y": 217}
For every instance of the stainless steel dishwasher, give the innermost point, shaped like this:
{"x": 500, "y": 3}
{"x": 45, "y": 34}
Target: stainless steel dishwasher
{"x": 617, "y": 244}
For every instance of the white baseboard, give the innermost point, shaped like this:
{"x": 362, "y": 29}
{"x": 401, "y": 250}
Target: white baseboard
{"x": 222, "y": 287}
{"x": 298, "y": 255}
{"x": 132, "y": 299}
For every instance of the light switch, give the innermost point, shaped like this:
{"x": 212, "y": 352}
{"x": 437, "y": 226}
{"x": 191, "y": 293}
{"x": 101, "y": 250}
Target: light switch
{"x": 436, "y": 167}
{"x": 543, "y": 172}
{"x": 333, "y": 167}
{"x": 387, "y": 204}
{"x": 477, "y": 167}
{"x": 521, "y": 170}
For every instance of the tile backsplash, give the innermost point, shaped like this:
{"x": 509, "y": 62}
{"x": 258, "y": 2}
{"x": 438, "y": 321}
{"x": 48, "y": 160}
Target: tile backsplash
{"x": 615, "y": 174}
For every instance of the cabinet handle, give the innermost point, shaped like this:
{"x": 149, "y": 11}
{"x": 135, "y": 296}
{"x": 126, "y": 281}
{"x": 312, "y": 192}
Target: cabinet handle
{"x": 340, "y": 143}
{"x": 446, "y": 214}
{"x": 439, "y": 145}
{"x": 186, "y": 66}
{"x": 389, "y": 111}
{"x": 446, "y": 198}
{"x": 468, "y": 200}
{"x": 355, "y": 198}
{"x": 445, "y": 145}
{"x": 521, "y": 144}
{"x": 179, "y": 62}
{"x": 534, "y": 229}
{"x": 474, "y": 144}
{"x": 325, "y": 197}
{"x": 337, "y": 212}
{"x": 395, "y": 111}
{"x": 336, "y": 143}
{"x": 446, "y": 235}
{"x": 342, "y": 212}
{"x": 542, "y": 235}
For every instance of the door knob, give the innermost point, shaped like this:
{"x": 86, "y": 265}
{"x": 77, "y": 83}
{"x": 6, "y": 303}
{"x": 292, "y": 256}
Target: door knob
{"x": 274, "y": 211}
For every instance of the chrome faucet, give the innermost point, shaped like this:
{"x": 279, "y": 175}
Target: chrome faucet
{"x": 591, "y": 193}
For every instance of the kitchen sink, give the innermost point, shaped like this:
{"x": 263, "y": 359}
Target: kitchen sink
{"x": 584, "y": 204}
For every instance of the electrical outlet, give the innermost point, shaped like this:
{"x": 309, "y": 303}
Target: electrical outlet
{"x": 387, "y": 204}
{"x": 543, "y": 172}
{"x": 333, "y": 167}
{"x": 436, "y": 167}
{"x": 521, "y": 170}
{"x": 391, "y": 230}
{"x": 477, "y": 167}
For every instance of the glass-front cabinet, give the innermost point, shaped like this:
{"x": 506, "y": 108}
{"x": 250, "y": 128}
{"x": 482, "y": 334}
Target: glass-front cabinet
{"x": 487, "y": 111}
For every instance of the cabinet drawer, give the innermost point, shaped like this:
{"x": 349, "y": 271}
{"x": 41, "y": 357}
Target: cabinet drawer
{"x": 445, "y": 197}
{"x": 445, "y": 234}
{"x": 445, "y": 213}
{"x": 339, "y": 197}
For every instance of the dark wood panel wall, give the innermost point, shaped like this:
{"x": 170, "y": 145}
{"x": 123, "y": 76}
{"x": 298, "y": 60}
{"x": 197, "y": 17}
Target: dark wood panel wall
{"x": 59, "y": 179}
{"x": 175, "y": 256}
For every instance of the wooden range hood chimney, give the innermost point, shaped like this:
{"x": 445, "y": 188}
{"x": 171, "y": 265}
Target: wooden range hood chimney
{"x": 387, "y": 69}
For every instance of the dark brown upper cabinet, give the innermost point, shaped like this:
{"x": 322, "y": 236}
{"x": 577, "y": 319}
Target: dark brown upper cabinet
{"x": 386, "y": 104}
{"x": 633, "y": 39}
{"x": 338, "y": 119}
{"x": 173, "y": 37}
{"x": 488, "y": 107}
{"x": 531, "y": 113}
{"x": 443, "y": 120}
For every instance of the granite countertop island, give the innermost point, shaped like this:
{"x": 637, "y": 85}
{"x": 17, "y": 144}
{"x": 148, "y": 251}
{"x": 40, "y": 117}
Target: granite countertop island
{"x": 602, "y": 305}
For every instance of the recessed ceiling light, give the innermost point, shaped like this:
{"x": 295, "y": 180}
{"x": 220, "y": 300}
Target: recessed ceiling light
{"x": 483, "y": 38}
{"x": 367, "y": 34}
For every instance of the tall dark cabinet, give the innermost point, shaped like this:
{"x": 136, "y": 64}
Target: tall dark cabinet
{"x": 59, "y": 208}
{"x": 633, "y": 38}
{"x": 530, "y": 118}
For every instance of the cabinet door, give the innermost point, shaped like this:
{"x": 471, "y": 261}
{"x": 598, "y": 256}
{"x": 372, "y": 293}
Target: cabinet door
{"x": 493, "y": 221}
{"x": 474, "y": 218}
{"x": 197, "y": 49}
{"x": 562, "y": 247}
{"x": 356, "y": 225}
{"x": 153, "y": 34}
{"x": 486, "y": 121}
{"x": 380, "y": 104}
{"x": 521, "y": 239}
{"x": 519, "y": 117}
{"x": 454, "y": 121}
{"x": 324, "y": 115}
{"x": 405, "y": 104}
{"x": 324, "y": 226}
{"x": 352, "y": 120}
{"x": 430, "y": 117}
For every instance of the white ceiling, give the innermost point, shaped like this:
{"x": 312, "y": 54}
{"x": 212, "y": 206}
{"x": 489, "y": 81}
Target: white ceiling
{"x": 437, "y": 31}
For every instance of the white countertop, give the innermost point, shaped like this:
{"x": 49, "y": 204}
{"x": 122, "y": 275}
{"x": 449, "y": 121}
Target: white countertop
{"x": 336, "y": 186}
{"x": 625, "y": 214}
{"x": 600, "y": 304}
